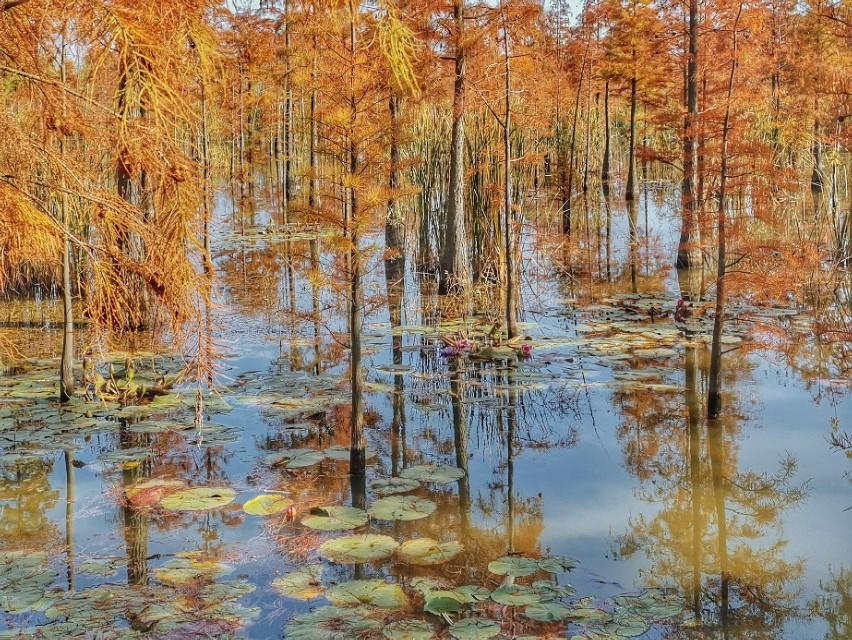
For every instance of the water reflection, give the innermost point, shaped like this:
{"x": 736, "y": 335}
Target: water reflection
{"x": 711, "y": 512}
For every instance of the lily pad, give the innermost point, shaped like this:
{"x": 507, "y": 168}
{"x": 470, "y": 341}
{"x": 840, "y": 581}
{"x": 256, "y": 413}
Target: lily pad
{"x": 547, "y": 611}
{"x": 474, "y": 629}
{"x": 305, "y": 459}
{"x": 515, "y": 594}
{"x": 408, "y": 630}
{"x": 515, "y": 566}
{"x": 199, "y": 499}
{"x": 557, "y": 564}
{"x": 336, "y": 518}
{"x": 332, "y": 623}
{"x": 439, "y": 474}
{"x": 389, "y": 486}
{"x": 359, "y": 548}
{"x": 426, "y": 551}
{"x": 589, "y": 615}
{"x": 628, "y": 625}
{"x": 303, "y": 584}
{"x": 402, "y": 508}
{"x": 266, "y": 505}
{"x": 376, "y": 593}
{"x": 185, "y": 571}
{"x": 442, "y": 603}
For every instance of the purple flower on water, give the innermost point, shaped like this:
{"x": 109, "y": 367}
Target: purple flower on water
{"x": 449, "y": 352}
{"x": 526, "y": 350}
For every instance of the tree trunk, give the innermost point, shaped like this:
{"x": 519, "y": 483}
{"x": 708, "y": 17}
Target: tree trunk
{"x": 455, "y": 270}
{"x": 605, "y": 163}
{"x": 313, "y": 188}
{"x": 630, "y": 192}
{"x": 508, "y": 218}
{"x": 566, "y": 196}
{"x": 357, "y": 447}
{"x": 66, "y": 367}
{"x": 714, "y": 396}
{"x": 685, "y": 250}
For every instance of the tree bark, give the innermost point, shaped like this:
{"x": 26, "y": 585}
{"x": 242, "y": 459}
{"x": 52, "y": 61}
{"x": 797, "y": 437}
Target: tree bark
{"x": 714, "y": 396}
{"x": 685, "y": 250}
{"x": 455, "y": 270}
{"x": 630, "y": 191}
{"x": 605, "y": 163}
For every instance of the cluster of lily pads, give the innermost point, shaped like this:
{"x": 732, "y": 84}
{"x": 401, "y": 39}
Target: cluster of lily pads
{"x": 187, "y": 600}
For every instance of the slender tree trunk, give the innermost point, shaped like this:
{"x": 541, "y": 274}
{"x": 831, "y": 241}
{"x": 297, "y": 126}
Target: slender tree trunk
{"x": 287, "y": 177}
{"x": 714, "y": 396}
{"x": 508, "y": 218}
{"x": 605, "y": 162}
{"x": 66, "y": 367}
{"x": 630, "y": 192}
{"x": 313, "y": 188}
{"x": 816, "y": 174}
{"x": 566, "y": 197}
{"x": 455, "y": 270}
{"x": 685, "y": 250}
{"x": 357, "y": 450}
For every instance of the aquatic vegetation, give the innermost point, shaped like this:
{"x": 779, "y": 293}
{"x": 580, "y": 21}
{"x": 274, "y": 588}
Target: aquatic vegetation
{"x": 336, "y": 518}
{"x": 358, "y": 548}
{"x": 198, "y": 499}
{"x": 401, "y": 508}
{"x": 266, "y": 505}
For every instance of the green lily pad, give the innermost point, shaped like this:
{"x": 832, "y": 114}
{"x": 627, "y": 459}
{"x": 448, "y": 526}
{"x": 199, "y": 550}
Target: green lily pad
{"x": 359, "y": 548}
{"x": 199, "y": 499}
{"x": 401, "y": 508}
{"x": 332, "y": 623}
{"x": 515, "y": 566}
{"x": 266, "y": 505}
{"x": 552, "y": 591}
{"x": 589, "y": 615}
{"x": 408, "y": 630}
{"x": 426, "y": 551}
{"x": 389, "y": 486}
{"x": 303, "y": 584}
{"x": 376, "y": 593}
{"x": 547, "y": 611}
{"x": 439, "y": 474}
{"x": 185, "y": 571}
{"x": 515, "y": 594}
{"x": 472, "y": 593}
{"x": 628, "y": 625}
{"x": 443, "y": 602}
{"x": 557, "y": 564}
{"x": 336, "y": 518}
{"x": 474, "y": 629}
{"x": 652, "y": 604}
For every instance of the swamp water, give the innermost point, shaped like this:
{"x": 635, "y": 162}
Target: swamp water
{"x": 578, "y": 492}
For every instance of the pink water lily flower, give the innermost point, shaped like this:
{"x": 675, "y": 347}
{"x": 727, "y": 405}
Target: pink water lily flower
{"x": 526, "y": 350}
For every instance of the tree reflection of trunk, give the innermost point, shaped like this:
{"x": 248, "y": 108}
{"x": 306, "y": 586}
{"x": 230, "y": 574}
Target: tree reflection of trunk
{"x": 315, "y": 304}
{"x": 715, "y": 444}
{"x": 69, "y": 516}
{"x": 634, "y": 241}
{"x": 511, "y": 425}
{"x": 693, "y": 422}
{"x": 460, "y": 437}
{"x": 395, "y": 284}
{"x": 690, "y": 283}
{"x": 608, "y": 206}
{"x": 135, "y": 522}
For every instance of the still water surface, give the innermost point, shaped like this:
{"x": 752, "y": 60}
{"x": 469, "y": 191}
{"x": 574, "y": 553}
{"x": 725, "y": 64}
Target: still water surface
{"x": 595, "y": 448}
